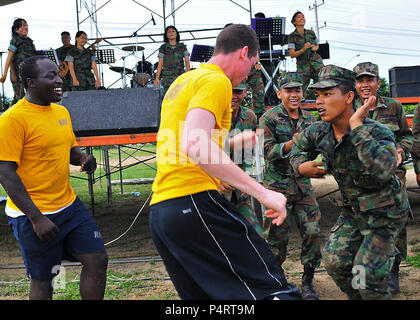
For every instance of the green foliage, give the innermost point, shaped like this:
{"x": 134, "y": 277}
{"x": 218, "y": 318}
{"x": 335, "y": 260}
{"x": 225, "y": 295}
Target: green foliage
{"x": 414, "y": 261}
{"x": 384, "y": 90}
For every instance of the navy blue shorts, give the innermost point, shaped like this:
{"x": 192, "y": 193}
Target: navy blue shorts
{"x": 212, "y": 252}
{"x": 78, "y": 234}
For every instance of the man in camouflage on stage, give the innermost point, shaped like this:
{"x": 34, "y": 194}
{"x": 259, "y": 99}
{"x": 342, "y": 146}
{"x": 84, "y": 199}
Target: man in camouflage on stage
{"x": 362, "y": 156}
{"x": 243, "y": 119}
{"x": 280, "y": 125}
{"x": 415, "y": 151}
{"x": 62, "y": 54}
{"x": 390, "y": 113}
{"x": 256, "y": 84}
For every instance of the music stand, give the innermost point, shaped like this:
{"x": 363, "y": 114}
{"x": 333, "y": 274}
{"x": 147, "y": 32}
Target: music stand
{"x": 270, "y": 31}
{"x": 104, "y": 56}
{"x": 201, "y": 53}
{"x": 50, "y": 55}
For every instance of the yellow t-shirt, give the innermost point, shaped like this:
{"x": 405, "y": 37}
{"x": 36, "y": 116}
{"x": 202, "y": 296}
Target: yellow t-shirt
{"x": 207, "y": 88}
{"x": 39, "y": 139}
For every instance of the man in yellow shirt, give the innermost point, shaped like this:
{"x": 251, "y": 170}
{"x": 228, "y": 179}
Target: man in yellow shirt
{"x": 209, "y": 249}
{"x": 47, "y": 218}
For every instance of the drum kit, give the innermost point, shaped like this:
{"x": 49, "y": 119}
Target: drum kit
{"x": 142, "y": 74}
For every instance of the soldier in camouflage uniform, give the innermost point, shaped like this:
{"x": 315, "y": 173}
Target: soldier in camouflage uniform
{"x": 172, "y": 55}
{"x": 303, "y": 46}
{"x": 62, "y": 54}
{"x": 362, "y": 156}
{"x": 280, "y": 124}
{"x": 82, "y": 62}
{"x": 20, "y": 48}
{"x": 256, "y": 84}
{"x": 415, "y": 151}
{"x": 243, "y": 119}
{"x": 390, "y": 113}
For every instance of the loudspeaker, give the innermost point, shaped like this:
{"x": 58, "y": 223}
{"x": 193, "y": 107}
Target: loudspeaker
{"x": 404, "y": 81}
{"x": 114, "y": 111}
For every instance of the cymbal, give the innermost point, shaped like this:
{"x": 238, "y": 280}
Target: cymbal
{"x": 121, "y": 70}
{"x": 133, "y": 48}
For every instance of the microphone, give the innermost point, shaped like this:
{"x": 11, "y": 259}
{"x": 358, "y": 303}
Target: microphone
{"x": 153, "y": 20}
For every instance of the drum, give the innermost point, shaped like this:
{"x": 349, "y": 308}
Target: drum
{"x": 144, "y": 73}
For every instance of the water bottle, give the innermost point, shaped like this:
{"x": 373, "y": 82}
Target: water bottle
{"x": 138, "y": 194}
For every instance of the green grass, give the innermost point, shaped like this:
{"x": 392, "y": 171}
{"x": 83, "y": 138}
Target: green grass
{"x": 414, "y": 261}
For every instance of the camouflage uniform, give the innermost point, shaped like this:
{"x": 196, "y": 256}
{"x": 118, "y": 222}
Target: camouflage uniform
{"x": 391, "y": 114}
{"x": 415, "y": 152}
{"x": 82, "y": 60}
{"x": 245, "y": 120}
{"x": 279, "y": 176}
{"x": 22, "y": 48}
{"x": 309, "y": 63}
{"x": 374, "y": 208}
{"x": 256, "y": 84}
{"x": 173, "y": 62}
{"x": 62, "y": 54}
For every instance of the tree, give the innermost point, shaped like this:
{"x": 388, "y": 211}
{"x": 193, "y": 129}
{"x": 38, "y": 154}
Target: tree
{"x": 383, "y": 90}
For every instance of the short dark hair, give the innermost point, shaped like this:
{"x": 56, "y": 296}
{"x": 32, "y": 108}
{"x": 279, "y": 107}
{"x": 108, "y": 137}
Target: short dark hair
{"x": 237, "y": 36}
{"x": 165, "y": 37}
{"x": 16, "y": 25}
{"x": 347, "y": 87}
{"x": 294, "y": 16}
{"x": 65, "y": 33}
{"x": 259, "y": 15}
{"x": 28, "y": 69}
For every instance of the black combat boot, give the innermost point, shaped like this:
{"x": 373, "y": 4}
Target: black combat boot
{"x": 308, "y": 290}
{"x": 393, "y": 281}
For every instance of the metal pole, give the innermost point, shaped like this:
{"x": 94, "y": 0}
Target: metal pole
{"x": 250, "y": 10}
{"x": 173, "y": 10}
{"x": 77, "y": 15}
{"x": 164, "y": 16}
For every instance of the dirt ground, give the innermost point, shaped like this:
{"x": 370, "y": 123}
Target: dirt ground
{"x": 113, "y": 221}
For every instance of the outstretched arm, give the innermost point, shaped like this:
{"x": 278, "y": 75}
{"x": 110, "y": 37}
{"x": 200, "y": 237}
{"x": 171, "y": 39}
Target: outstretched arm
{"x": 199, "y": 147}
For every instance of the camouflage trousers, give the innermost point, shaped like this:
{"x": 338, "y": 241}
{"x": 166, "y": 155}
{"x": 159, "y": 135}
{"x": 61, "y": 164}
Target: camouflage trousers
{"x": 307, "y": 216}
{"x": 18, "y": 90}
{"x": 256, "y": 84}
{"x": 243, "y": 204}
{"x": 309, "y": 71}
{"x": 360, "y": 250}
{"x": 401, "y": 242}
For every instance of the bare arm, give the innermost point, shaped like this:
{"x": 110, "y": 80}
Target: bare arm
{"x": 95, "y": 71}
{"x": 187, "y": 63}
{"x": 159, "y": 70}
{"x": 11, "y": 182}
{"x": 79, "y": 158}
{"x": 72, "y": 73}
{"x": 8, "y": 64}
{"x": 198, "y": 145}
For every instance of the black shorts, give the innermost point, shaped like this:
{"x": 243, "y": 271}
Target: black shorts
{"x": 212, "y": 252}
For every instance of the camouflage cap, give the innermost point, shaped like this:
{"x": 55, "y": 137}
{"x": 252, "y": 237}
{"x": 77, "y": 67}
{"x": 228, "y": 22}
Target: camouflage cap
{"x": 331, "y": 76}
{"x": 290, "y": 80}
{"x": 366, "y": 69}
{"x": 241, "y": 86}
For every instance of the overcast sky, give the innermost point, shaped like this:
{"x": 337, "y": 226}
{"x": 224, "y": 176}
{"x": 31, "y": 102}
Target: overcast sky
{"x": 382, "y": 31}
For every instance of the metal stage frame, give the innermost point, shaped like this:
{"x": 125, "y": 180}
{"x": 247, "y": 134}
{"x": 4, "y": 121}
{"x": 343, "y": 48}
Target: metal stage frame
{"x": 127, "y": 144}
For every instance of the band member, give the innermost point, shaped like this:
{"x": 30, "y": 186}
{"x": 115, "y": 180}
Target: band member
{"x": 303, "y": 46}
{"x": 49, "y": 221}
{"x": 209, "y": 249}
{"x": 280, "y": 124}
{"x": 20, "y": 48}
{"x": 82, "y": 62}
{"x": 390, "y": 113}
{"x": 62, "y": 54}
{"x": 243, "y": 119}
{"x": 172, "y": 55}
{"x": 362, "y": 156}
